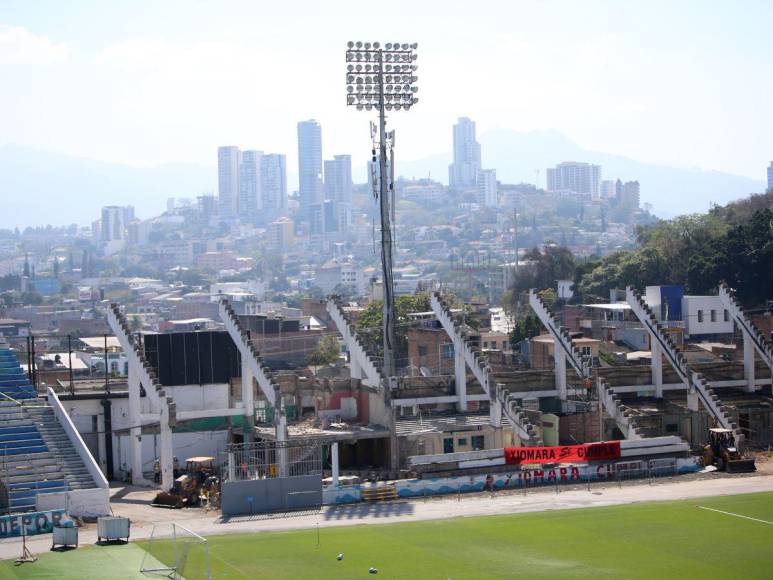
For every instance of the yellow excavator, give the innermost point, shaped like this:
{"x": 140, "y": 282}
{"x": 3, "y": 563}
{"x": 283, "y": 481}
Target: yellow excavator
{"x": 723, "y": 452}
{"x": 187, "y": 487}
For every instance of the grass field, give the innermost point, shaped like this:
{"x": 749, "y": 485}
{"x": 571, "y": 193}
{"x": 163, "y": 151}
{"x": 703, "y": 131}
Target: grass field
{"x": 663, "y": 539}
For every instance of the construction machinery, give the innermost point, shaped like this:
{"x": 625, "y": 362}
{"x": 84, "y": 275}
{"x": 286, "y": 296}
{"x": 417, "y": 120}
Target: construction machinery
{"x": 188, "y": 486}
{"x": 723, "y": 452}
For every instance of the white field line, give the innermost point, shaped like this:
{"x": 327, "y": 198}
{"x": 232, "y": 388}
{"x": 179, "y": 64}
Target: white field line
{"x": 736, "y": 515}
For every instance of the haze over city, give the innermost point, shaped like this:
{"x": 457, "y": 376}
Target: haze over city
{"x": 152, "y": 84}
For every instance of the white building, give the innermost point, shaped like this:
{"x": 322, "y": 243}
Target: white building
{"x": 228, "y": 160}
{"x": 310, "y": 187}
{"x": 250, "y": 181}
{"x": 274, "y": 184}
{"x": 487, "y": 187}
{"x": 770, "y": 176}
{"x": 570, "y": 176}
{"x": 463, "y": 172}
{"x": 113, "y": 223}
{"x": 705, "y": 315}
{"x": 338, "y": 188}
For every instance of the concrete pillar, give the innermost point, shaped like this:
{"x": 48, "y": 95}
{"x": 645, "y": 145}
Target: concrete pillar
{"x": 334, "y": 461}
{"x": 748, "y": 363}
{"x": 657, "y": 366}
{"x": 281, "y": 436}
{"x": 495, "y": 413}
{"x": 560, "y": 362}
{"x": 101, "y": 447}
{"x": 231, "y": 466}
{"x": 166, "y": 455}
{"x": 135, "y": 427}
{"x": 248, "y": 399}
{"x": 692, "y": 400}
{"x": 355, "y": 370}
{"x": 460, "y": 374}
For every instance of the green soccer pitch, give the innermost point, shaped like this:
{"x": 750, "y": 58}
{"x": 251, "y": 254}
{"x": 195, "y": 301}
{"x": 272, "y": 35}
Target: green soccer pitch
{"x": 652, "y": 540}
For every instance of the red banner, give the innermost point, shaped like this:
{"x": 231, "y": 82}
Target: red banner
{"x": 563, "y": 453}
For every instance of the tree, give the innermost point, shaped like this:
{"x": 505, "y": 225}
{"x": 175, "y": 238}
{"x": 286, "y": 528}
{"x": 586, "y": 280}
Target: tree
{"x": 326, "y": 353}
{"x": 369, "y": 323}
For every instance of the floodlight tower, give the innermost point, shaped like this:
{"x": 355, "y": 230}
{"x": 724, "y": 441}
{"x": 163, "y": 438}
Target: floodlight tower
{"x": 384, "y": 79}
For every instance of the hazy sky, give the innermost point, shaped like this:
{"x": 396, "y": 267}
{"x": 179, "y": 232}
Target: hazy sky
{"x": 144, "y": 83}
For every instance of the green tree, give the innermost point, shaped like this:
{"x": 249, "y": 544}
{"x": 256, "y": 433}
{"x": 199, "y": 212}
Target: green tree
{"x": 327, "y": 352}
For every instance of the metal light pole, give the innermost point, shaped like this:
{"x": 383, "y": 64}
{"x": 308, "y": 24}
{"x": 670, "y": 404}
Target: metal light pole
{"x": 384, "y": 79}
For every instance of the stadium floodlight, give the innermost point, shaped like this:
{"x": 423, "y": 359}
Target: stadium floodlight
{"x": 387, "y": 83}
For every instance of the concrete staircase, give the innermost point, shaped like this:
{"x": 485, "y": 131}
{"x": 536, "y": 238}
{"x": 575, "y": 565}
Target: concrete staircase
{"x": 696, "y": 382}
{"x": 749, "y": 329}
{"x": 250, "y": 355}
{"x": 529, "y": 433}
{"x": 476, "y": 361}
{"x": 581, "y": 365}
{"x": 153, "y": 388}
{"x": 619, "y": 412}
{"x": 360, "y": 357}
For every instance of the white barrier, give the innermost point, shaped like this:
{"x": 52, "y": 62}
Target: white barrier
{"x": 82, "y": 503}
{"x": 76, "y": 440}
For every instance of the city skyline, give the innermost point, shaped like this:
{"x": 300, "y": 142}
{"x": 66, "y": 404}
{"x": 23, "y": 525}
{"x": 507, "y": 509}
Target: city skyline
{"x": 627, "y": 96}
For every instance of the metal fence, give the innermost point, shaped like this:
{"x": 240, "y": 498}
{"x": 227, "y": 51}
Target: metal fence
{"x": 271, "y": 459}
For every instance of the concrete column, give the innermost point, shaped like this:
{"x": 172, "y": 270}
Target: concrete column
{"x": 334, "y": 461}
{"x": 247, "y": 399}
{"x": 166, "y": 454}
{"x": 560, "y": 366}
{"x": 101, "y": 447}
{"x": 460, "y": 374}
{"x": 748, "y": 363}
{"x": 657, "y": 366}
{"x": 355, "y": 370}
{"x": 281, "y": 435}
{"x": 231, "y": 466}
{"x": 495, "y": 413}
{"x": 135, "y": 427}
{"x": 692, "y": 400}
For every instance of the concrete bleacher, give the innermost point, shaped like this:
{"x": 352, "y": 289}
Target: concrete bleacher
{"x": 36, "y": 455}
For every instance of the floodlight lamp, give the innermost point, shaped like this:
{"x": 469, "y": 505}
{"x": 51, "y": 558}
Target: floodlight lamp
{"x": 358, "y": 44}
{"x": 350, "y": 67}
{"x": 405, "y": 46}
{"x": 388, "y": 46}
{"x": 398, "y": 106}
{"x": 388, "y": 106}
{"x": 415, "y": 45}
{"x": 358, "y": 68}
{"x": 389, "y": 87}
{"x": 359, "y": 107}
{"x": 367, "y": 46}
{"x": 388, "y": 56}
{"x": 350, "y": 100}
{"x": 414, "y": 56}
{"x": 414, "y": 89}
{"x": 368, "y": 107}
{"x": 349, "y": 44}
{"x": 376, "y": 45}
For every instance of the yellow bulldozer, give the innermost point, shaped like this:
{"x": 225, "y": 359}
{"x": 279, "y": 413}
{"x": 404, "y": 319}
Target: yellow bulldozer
{"x": 723, "y": 452}
{"x": 187, "y": 488}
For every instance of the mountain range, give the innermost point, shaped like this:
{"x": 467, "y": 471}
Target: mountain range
{"x": 39, "y": 187}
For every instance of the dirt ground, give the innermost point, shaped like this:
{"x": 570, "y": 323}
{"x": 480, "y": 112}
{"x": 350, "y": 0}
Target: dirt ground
{"x": 134, "y": 503}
